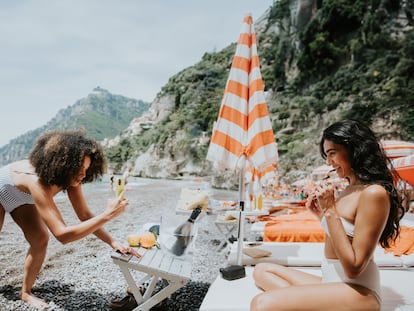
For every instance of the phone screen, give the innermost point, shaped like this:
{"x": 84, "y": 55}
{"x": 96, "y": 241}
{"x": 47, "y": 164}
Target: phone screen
{"x": 119, "y": 187}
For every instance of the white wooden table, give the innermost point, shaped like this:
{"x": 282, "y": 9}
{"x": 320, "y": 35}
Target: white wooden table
{"x": 226, "y": 229}
{"x": 156, "y": 265}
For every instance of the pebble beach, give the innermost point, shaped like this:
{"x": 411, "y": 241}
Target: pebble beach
{"x": 82, "y": 276}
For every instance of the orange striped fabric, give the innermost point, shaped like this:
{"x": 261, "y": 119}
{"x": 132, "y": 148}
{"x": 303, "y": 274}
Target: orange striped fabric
{"x": 252, "y": 175}
{"x": 243, "y": 127}
{"x": 397, "y": 148}
{"x": 405, "y": 168}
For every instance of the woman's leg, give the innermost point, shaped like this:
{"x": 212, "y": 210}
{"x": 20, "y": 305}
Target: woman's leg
{"x": 36, "y": 233}
{"x": 316, "y": 297}
{"x": 270, "y": 276}
{"x": 2, "y": 214}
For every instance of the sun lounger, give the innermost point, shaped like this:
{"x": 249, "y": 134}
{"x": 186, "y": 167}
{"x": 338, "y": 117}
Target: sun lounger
{"x": 304, "y": 254}
{"x": 301, "y": 226}
{"x": 310, "y": 253}
{"x": 298, "y": 227}
{"x": 236, "y": 295}
{"x": 397, "y": 274}
{"x": 155, "y": 265}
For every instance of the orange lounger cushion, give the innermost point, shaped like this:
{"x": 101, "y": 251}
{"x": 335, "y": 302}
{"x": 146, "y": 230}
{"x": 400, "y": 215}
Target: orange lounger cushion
{"x": 300, "y": 227}
{"x": 404, "y": 245}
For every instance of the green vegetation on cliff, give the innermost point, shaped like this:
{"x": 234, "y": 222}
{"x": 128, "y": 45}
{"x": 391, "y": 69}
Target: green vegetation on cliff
{"x": 101, "y": 114}
{"x": 337, "y": 59}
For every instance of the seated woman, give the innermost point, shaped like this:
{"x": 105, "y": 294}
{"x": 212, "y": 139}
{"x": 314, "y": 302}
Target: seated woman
{"x": 365, "y": 213}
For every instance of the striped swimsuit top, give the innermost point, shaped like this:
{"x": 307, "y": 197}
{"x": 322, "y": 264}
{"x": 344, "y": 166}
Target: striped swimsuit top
{"x": 10, "y": 196}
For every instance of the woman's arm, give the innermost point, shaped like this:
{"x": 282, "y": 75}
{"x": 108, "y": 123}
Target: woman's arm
{"x": 80, "y": 206}
{"x": 84, "y": 214}
{"x": 53, "y": 218}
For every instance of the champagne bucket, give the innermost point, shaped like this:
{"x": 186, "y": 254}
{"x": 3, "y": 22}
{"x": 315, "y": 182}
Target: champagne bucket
{"x": 173, "y": 242}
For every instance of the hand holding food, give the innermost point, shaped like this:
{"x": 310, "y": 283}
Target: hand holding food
{"x": 313, "y": 206}
{"x": 321, "y": 199}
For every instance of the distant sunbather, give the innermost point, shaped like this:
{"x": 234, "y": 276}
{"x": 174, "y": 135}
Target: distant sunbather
{"x": 59, "y": 161}
{"x": 365, "y": 213}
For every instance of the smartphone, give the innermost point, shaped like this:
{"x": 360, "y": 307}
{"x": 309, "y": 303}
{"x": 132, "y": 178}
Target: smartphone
{"x": 120, "y": 186}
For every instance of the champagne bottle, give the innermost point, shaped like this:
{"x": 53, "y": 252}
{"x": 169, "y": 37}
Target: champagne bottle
{"x": 260, "y": 202}
{"x": 184, "y": 233}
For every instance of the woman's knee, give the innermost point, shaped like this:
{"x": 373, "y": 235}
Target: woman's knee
{"x": 263, "y": 302}
{"x": 2, "y": 214}
{"x": 255, "y": 303}
{"x": 34, "y": 229}
{"x": 39, "y": 240}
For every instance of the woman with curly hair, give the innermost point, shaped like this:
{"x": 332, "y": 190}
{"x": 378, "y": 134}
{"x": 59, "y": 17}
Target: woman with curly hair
{"x": 59, "y": 161}
{"x": 365, "y": 213}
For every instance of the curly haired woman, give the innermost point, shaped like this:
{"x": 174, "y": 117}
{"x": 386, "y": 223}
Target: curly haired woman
{"x": 59, "y": 161}
{"x": 365, "y": 213}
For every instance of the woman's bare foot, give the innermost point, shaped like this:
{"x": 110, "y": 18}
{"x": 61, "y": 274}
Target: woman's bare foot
{"x": 34, "y": 301}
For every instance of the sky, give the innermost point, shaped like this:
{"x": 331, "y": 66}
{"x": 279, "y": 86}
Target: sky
{"x": 53, "y": 53}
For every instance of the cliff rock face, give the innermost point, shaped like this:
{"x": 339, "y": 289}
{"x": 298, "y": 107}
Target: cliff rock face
{"x": 170, "y": 162}
{"x": 315, "y": 70}
{"x": 297, "y": 119}
{"x": 162, "y": 107}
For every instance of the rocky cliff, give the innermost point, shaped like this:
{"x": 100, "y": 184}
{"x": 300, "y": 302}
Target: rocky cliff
{"x": 321, "y": 61}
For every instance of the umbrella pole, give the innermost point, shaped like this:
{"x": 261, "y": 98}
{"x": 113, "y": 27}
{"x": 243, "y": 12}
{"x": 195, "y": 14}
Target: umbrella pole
{"x": 240, "y": 232}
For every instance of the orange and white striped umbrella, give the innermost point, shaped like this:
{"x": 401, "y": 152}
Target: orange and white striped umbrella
{"x": 405, "y": 168}
{"x": 243, "y": 129}
{"x": 253, "y": 175}
{"x": 397, "y": 148}
{"x": 256, "y": 179}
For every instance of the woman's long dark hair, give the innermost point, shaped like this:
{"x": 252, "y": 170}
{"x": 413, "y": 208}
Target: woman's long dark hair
{"x": 370, "y": 165}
